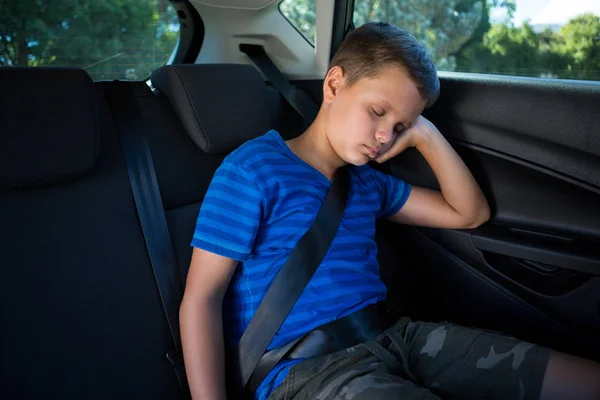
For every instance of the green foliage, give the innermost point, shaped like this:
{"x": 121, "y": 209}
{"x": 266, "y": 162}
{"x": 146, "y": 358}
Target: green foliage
{"x": 111, "y": 39}
{"x": 460, "y": 37}
{"x": 117, "y": 39}
{"x": 578, "y": 42}
{"x": 573, "y": 52}
{"x": 506, "y": 50}
{"x": 303, "y": 15}
{"x": 441, "y": 25}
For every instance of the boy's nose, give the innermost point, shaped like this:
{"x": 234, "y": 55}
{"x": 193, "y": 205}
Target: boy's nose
{"x": 384, "y": 136}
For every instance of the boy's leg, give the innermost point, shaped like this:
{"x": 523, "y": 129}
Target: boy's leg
{"x": 571, "y": 377}
{"x": 352, "y": 374}
{"x": 463, "y": 363}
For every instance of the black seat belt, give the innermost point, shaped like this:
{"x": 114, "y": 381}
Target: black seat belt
{"x": 144, "y": 185}
{"x": 304, "y": 259}
{"x": 298, "y": 99}
{"x": 290, "y": 281}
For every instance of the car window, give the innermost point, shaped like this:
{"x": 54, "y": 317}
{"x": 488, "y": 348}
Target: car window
{"x": 302, "y": 14}
{"x": 110, "y": 39}
{"x": 538, "y": 38}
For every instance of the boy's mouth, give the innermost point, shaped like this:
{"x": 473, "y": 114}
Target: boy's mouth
{"x": 372, "y": 152}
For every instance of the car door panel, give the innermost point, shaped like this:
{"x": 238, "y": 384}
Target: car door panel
{"x": 533, "y": 146}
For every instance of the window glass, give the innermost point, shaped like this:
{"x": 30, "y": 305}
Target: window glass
{"x": 539, "y": 38}
{"x": 110, "y": 39}
{"x": 302, "y": 14}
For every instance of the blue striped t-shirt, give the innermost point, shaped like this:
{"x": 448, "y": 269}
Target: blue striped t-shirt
{"x": 261, "y": 201}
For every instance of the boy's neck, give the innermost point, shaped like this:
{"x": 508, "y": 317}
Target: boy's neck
{"x": 314, "y": 148}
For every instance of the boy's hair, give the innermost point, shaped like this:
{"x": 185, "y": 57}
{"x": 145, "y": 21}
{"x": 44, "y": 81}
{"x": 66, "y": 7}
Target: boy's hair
{"x": 374, "y": 46}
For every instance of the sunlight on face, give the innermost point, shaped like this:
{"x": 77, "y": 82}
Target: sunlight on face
{"x": 364, "y": 118}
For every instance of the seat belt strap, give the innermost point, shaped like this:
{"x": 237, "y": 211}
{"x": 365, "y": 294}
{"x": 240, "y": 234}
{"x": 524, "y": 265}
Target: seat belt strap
{"x": 144, "y": 185}
{"x": 294, "y": 275}
{"x": 298, "y": 99}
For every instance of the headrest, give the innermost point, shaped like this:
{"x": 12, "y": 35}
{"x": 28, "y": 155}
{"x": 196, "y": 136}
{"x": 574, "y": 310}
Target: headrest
{"x": 221, "y": 106}
{"x": 48, "y": 125}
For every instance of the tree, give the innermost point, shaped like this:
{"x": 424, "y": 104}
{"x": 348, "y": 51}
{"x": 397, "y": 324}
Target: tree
{"x": 303, "y": 15}
{"x": 572, "y": 52}
{"x": 507, "y": 50}
{"x": 579, "y": 43}
{"x": 111, "y": 39}
{"x": 446, "y": 27}
{"x": 442, "y": 26}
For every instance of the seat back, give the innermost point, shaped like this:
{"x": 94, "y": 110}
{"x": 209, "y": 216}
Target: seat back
{"x": 81, "y": 315}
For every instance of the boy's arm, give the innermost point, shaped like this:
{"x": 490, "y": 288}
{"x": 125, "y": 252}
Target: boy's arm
{"x": 460, "y": 204}
{"x": 201, "y": 323}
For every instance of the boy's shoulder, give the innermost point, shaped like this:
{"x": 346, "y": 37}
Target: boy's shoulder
{"x": 254, "y": 152}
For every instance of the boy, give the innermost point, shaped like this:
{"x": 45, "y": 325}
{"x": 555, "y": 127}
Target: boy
{"x": 265, "y": 196}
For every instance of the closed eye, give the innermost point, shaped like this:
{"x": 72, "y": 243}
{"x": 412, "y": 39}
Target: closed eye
{"x": 381, "y": 114}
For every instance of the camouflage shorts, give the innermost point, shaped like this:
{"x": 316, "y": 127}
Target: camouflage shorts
{"x": 419, "y": 360}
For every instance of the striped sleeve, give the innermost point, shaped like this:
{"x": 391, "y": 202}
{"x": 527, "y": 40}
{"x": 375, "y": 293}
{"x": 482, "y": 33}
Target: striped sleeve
{"x": 230, "y": 214}
{"x": 393, "y": 193}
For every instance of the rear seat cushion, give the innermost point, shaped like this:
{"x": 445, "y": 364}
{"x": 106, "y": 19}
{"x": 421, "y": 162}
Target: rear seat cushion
{"x": 54, "y": 145}
{"x": 221, "y": 106}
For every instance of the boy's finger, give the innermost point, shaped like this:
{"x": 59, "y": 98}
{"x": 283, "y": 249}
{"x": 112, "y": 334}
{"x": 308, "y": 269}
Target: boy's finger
{"x": 400, "y": 144}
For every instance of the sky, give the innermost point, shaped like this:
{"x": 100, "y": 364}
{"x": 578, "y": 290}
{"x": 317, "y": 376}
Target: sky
{"x": 549, "y": 11}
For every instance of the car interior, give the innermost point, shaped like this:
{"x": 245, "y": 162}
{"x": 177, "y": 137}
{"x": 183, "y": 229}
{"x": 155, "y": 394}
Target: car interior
{"x": 82, "y": 313}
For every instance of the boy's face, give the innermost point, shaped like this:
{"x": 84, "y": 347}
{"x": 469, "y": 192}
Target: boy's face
{"x": 363, "y": 119}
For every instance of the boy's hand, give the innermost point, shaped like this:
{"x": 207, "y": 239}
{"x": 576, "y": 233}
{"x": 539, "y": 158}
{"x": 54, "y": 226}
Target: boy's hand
{"x": 421, "y": 131}
{"x": 459, "y": 204}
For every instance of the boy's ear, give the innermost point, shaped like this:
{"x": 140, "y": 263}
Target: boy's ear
{"x": 334, "y": 80}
